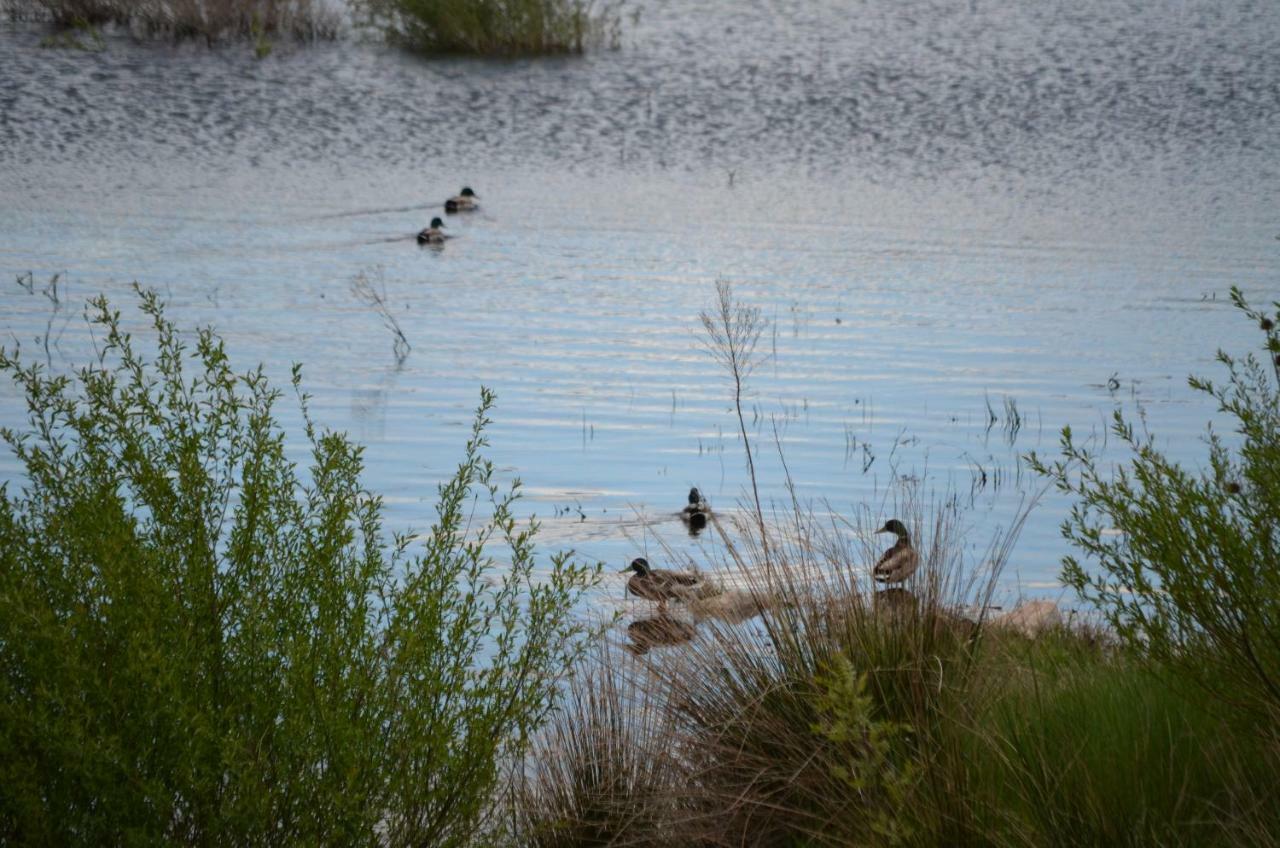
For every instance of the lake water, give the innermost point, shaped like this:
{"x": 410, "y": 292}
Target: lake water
{"x": 938, "y": 206}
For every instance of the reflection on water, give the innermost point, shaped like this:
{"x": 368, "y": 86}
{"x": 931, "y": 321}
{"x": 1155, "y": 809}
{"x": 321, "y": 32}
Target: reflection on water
{"x": 667, "y": 628}
{"x": 664, "y": 629}
{"x": 967, "y": 224}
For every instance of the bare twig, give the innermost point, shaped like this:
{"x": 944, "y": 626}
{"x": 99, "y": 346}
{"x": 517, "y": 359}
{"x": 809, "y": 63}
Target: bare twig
{"x": 375, "y": 296}
{"x": 733, "y": 333}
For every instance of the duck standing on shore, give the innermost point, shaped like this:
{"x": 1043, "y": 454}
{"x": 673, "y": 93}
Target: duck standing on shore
{"x": 695, "y": 513}
{"x": 900, "y": 561}
{"x": 433, "y": 234}
{"x": 463, "y": 201}
{"x": 661, "y": 585}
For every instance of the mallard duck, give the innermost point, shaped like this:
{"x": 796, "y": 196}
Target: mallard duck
{"x": 463, "y": 201}
{"x": 900, "y": 561}
{"x": 661, "y": 585}
{"x": 695, "y": 512}
{"x": 433, "y": 234}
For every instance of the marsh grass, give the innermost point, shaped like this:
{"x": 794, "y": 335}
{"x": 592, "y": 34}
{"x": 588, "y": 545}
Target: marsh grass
{"x": 842, "y": 715}
{"x": 837, "y": 717}
{"x": 212, "y": 20}
{"x": 1098, "y": 751}
{"x": 811, "y": 724}
{"x": 495, "y": 27}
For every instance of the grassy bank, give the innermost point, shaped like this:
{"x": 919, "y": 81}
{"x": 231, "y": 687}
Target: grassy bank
{"x": 836, "y": 719}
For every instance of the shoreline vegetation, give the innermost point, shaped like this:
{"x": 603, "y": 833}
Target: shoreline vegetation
{"x": 841, "y": 716}
{"x": 499, "y": 28}
{"x": 494, "y": 27}
{"x": 211, "y": 20}
{"x": 200, "y": 643}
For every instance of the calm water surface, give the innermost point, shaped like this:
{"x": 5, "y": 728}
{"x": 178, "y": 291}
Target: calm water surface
{"x": 939, "y": 207}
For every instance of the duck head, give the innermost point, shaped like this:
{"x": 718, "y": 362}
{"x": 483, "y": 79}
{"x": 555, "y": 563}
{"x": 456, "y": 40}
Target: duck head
{"x": 695, "y": 497}
{"x": 639, "y": 565}
{"x": 437, "y": 224}
{"x": 895, "y": 527}
{"x": 467, "y": 192}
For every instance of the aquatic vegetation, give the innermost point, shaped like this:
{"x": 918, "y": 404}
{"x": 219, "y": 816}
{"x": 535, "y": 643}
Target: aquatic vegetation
{"x": 214, "y": 20}
{"x": 71, "y": 38}
{"x": 494, "y": 27}
{"x": 202, "y": 642}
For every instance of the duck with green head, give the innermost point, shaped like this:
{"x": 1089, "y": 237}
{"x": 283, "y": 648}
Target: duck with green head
{"x": 661, "y": 585}
{"x": 433, "y": 234}
{"x": 463, "y": 201}
{"x": 900, "y": 561}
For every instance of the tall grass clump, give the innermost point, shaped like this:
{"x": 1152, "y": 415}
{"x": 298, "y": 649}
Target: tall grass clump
{"x": 202, "y": 643}
{"x": 213, "y": 20}
{"x": 814, "y": 708}
{"x": 494, "y": 27}
{"x": 1185, "y": 564}
{"x": 826, "y": 720}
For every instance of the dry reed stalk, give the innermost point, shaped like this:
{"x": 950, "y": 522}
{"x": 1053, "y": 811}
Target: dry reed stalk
{"x": 719, "y": 737}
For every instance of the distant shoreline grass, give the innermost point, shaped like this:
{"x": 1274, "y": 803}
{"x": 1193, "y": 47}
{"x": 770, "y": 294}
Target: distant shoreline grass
{"x": 496, "y": 28}
{"x": 211, "y": 20}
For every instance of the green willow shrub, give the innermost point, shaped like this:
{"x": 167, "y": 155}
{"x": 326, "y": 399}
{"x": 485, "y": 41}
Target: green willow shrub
{"x": 493, "y": 27}
{"x": 1192, "y": 577}
{"x": 201, "y": 644}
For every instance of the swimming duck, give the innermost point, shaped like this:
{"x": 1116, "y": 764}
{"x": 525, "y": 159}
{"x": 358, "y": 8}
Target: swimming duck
{"x": 900, "y": 561}
{"x": 433, "y": 234}
{"x": 695, "y": 513}
{"x": 463, "y": 201}
{"x": 661, "y": 585}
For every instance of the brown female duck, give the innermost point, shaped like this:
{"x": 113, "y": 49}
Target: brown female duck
{"x": 900, "y": 561}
